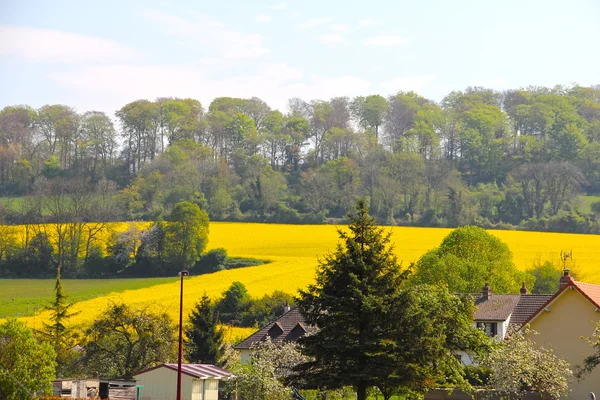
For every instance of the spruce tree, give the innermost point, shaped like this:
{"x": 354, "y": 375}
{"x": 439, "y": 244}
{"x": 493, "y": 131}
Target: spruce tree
{"x": 203, "y": 337}
{"x": 57, "y": 332}
{"x": 354, "y": 291}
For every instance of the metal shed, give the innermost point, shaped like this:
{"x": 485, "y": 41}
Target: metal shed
{"x": 198, "y": 382}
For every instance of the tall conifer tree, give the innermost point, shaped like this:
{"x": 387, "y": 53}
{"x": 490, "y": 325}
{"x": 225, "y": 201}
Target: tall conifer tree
{"x": 59, "y": 335}
{"x": 203, "y": 338}
{"x": 354, "y": 290}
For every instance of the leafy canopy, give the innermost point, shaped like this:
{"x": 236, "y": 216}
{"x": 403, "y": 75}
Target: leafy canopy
{"x": 125, "y": 340}
{"x": 468, "y": 258}
{"x": 26, "y": 365}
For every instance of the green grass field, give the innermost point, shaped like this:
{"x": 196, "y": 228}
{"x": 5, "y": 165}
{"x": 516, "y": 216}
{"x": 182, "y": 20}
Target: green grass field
{"x": 584, "y": 203}
{"x": 22, "y": 297}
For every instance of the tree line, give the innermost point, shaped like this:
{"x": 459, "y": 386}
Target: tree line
{"x": 495, "y": 159}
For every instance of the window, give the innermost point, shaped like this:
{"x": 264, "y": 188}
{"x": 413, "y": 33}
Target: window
{"x": 490, "y": 328}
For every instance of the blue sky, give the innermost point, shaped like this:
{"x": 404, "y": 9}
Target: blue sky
{"x": 102, "y": 55}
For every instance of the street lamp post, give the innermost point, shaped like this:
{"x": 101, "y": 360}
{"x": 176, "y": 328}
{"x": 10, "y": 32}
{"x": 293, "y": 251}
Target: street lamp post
{"x": 181, "y": 274}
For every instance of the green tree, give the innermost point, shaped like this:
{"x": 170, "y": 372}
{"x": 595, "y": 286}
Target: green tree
{"x": 234, "y": 304}
{"x": 467, "y": 259}
{"x": 26, "y": 365}
{"x": 354, "y": 288}
{"x": 186, "y": 234}
{"x": 547, "y": 277}
{"x": 424, "y": 329}
{"x": 203, "y": 336}
{"x": 125, "y": 340}
{"x": 59, "y": 335}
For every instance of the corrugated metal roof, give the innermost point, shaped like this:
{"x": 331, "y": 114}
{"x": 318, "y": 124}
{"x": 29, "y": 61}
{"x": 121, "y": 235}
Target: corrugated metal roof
{"x": 202, "y": 371}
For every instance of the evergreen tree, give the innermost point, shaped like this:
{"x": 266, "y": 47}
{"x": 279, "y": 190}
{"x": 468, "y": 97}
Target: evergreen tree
{"x": 59, "y": 336}
{"x": 354, "y": 290}
{"x": 203, "y": 338}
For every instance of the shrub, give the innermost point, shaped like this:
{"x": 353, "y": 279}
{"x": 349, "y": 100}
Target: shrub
{"x": 211, "y": 261}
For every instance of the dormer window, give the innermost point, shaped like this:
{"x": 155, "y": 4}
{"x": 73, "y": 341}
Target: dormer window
{"x": 275, "y": 330}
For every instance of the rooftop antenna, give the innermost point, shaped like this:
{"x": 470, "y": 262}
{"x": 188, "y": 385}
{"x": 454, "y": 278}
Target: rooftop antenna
{"x": 564, "y": 256}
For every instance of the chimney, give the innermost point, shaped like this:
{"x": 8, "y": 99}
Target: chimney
{"x": 566, "y": 278}
{"x": 523, "y": 289}
{"x": 487, "y": 292}
{"x": 286, "y": 308}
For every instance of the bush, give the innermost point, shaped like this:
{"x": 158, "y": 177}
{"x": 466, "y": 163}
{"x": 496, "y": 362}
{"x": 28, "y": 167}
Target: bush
{"x": 211, "y": 261}
{"x": 477, "y": 375}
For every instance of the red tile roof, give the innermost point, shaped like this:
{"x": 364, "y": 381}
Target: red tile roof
{"x": 199, "y": 371}
{"x": 590, "y": 291}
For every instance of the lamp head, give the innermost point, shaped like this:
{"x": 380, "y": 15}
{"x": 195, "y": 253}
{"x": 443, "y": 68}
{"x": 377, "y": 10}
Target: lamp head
{"x": 185, "y": 272}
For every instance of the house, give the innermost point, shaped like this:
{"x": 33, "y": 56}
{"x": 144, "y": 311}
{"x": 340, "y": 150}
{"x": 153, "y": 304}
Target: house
{"x": 287, "y": 328}
{"x": 198, "y": 382}
{"x": 563, "y": 322}
{"x": 93, "y": 388}
{"x": 497, "y": 314}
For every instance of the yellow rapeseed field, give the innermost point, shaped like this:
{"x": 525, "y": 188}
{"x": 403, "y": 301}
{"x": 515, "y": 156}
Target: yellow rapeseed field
{"x": 294, "y": 250}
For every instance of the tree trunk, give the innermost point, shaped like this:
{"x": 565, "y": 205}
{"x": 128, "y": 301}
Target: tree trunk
{"x": 361, "y": 390}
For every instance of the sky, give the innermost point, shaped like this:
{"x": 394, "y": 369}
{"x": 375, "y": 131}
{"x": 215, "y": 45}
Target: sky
{"x": 101, "y": 55}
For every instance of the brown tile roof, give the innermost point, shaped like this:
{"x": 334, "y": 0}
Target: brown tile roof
{"x": 589, "y": 291}
{"x": 527, "y": 306}
{"x": 287, "y": 328}
{"x": 498, "y": 307}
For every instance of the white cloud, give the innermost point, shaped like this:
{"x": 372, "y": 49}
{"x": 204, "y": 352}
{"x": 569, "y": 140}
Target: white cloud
{"x": 280, "y": 6}
{"x": 228, "y": 42}
{"x": 37, "y": 45}
{"x": 385, "y": 41}
{"x": 262, "y": 18}
{"x": 407, "y": 83}
{"x": 340, "y": 28}
{"x": 367, "y": 22}
{"x": 108, "y": 88}
{"x": 333, "y": 38}
{"x": 314, "y": 22}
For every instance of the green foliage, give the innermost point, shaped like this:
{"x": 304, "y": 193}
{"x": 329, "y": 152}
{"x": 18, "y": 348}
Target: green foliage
{"x": 372, "y": 331}
{"x": 466, "y": 260}
{"x": 237, "y": 308}
{"x": 519, "y": 365}
{"x": 212, "y": 261}
{"x": 234, "y": 304}
{"x": 26, "y": 365}
{"x": 262, "y": 377}
{"x": 203, "y": 338}
{"x": 125, "y": 340}
{"x": 51, "y": 168}
{"x": 186, "y": 235}
{"x": 547, "y": 276}
{"x": 58, "y": 334}
{"x": 592, "y": 361}
{"x": 353, "y": 289}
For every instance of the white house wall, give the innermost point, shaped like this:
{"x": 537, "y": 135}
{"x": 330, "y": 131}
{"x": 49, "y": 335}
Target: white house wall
{"x": 161, "y": 384}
